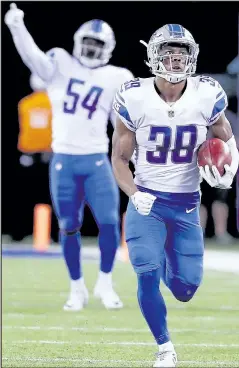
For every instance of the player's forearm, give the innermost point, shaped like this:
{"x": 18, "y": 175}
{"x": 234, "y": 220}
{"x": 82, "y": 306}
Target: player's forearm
{"x": 36, "y": 60}
{"x": 234, "y": 153}
{"x": 113, "y": 118}
{"x": 124, "y": 176}
{"x": 222, "y": 130}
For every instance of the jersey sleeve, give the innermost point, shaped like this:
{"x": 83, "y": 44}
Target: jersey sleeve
{"x": 121, "y": 107}
{"x": 34, "y": 58}
{"x": 215, "y": 100}
{"x": 121, "y": 76}
{"x": 57, "y": 56}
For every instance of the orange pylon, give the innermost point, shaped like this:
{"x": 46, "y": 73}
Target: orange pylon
{"x": 42, "y": 227}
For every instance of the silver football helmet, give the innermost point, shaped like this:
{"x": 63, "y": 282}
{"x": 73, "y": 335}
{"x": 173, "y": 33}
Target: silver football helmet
{"x": 94, "y": 43}
{"x": 172, "y": 53}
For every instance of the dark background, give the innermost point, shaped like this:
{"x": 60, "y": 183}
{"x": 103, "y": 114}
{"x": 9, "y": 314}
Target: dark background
{"x": 52, "y": 24}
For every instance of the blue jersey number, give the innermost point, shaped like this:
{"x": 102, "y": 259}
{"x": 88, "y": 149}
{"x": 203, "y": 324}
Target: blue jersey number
{"x": 207, "y": 79}
{"x": 177, "y": 156}
{"x": 130, "y": 84}
{"x": 89, "y": 102}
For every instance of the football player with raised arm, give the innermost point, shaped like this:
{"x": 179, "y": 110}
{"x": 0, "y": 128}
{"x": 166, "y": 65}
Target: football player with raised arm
{"x": 81, "y": 88}
{"x": 165, "y": 119}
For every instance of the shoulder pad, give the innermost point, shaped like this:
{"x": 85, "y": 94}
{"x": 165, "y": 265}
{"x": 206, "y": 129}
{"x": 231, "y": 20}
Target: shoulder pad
{"x": 57, "y": 52}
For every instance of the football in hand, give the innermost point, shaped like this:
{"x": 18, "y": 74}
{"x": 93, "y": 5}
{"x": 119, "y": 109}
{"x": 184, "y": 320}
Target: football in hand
{"x": 214, "y": 152}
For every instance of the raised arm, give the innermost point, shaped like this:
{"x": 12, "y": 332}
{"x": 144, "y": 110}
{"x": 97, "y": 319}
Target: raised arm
{"x": 35, "y": 59}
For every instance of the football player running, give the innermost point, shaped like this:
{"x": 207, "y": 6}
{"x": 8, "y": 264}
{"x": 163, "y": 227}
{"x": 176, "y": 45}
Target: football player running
{"x": 165, "y": 118}
{"x": 81, "y": 88}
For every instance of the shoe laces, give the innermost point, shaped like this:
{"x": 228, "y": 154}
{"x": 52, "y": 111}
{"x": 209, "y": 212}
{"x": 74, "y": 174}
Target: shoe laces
{"x": 161, "y": 355}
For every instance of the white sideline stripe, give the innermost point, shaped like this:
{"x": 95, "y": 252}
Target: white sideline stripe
{"x": 214, "y": 260}
{"x": 115, "y": 329}
{"x": 172, "y": 306}
{"x": 206, "y": 290}
{"x": 31, "y": 315}
{"x": 209, "y": 362}
{"x": 121, "y": 343}
{"x": 82, "y": 317}
{"x": 221, "y": 261}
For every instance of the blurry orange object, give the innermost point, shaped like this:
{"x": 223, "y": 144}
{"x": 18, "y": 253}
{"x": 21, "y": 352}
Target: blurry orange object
{"x": 34, "y": 113}
{"x": 42, "y": 227}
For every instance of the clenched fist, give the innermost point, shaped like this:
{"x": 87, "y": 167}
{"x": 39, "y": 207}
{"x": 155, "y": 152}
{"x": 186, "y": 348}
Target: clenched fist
{"x": 14, "y": 17}
{"x": 143, "y": 202}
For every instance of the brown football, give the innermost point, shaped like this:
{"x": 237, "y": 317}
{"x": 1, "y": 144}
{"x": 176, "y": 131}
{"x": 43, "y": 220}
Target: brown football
{"x": 214, "y": 152}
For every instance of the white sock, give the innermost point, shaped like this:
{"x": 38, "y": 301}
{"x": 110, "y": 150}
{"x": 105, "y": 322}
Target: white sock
{"x": 105, "y": 278}
{"x": 77, "y": 284}
{"x": 168, "y": 346}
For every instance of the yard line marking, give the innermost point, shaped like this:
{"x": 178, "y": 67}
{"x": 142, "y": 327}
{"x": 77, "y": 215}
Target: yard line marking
{"x": 120, "y": 343}
{"x": 31, "y": 315}
{"x": 86, "y": 360}
{"x": 82, "y": 317}
{"x": 170, "y": 306}
{"x": 116, "y": 329}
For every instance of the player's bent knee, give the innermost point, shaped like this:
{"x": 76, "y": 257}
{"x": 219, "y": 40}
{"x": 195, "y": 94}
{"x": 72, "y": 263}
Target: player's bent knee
{"x": 68, "y": 226}
{"x": 142, "y": 259}
{"x": 69, "y": 232}
{"x": 181, "y": 291}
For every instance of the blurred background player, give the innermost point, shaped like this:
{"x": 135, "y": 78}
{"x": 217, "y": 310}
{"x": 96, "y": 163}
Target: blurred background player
{"x": 81, "y": 88}
{"x": 220, "y": 201}
{"x": 219, "y": 211}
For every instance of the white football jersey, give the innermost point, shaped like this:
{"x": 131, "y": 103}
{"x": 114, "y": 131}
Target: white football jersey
{"x": 81, "y": 100}
{"x": 167, "y": 137}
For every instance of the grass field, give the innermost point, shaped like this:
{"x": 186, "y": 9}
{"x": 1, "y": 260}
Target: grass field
{"x": 37, "y": 333}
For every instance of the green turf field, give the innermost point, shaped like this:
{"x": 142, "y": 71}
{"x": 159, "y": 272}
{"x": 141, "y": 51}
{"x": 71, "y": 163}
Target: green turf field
{"x": 37, "y": 333}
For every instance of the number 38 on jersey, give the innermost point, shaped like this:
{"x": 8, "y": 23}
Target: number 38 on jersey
{"x": 180, "y": 145}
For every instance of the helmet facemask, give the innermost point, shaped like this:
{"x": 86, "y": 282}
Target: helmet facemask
{"x": 172, "y": 61}
{"x": 92, "y": 51}
{"x": 92, "y": 48}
